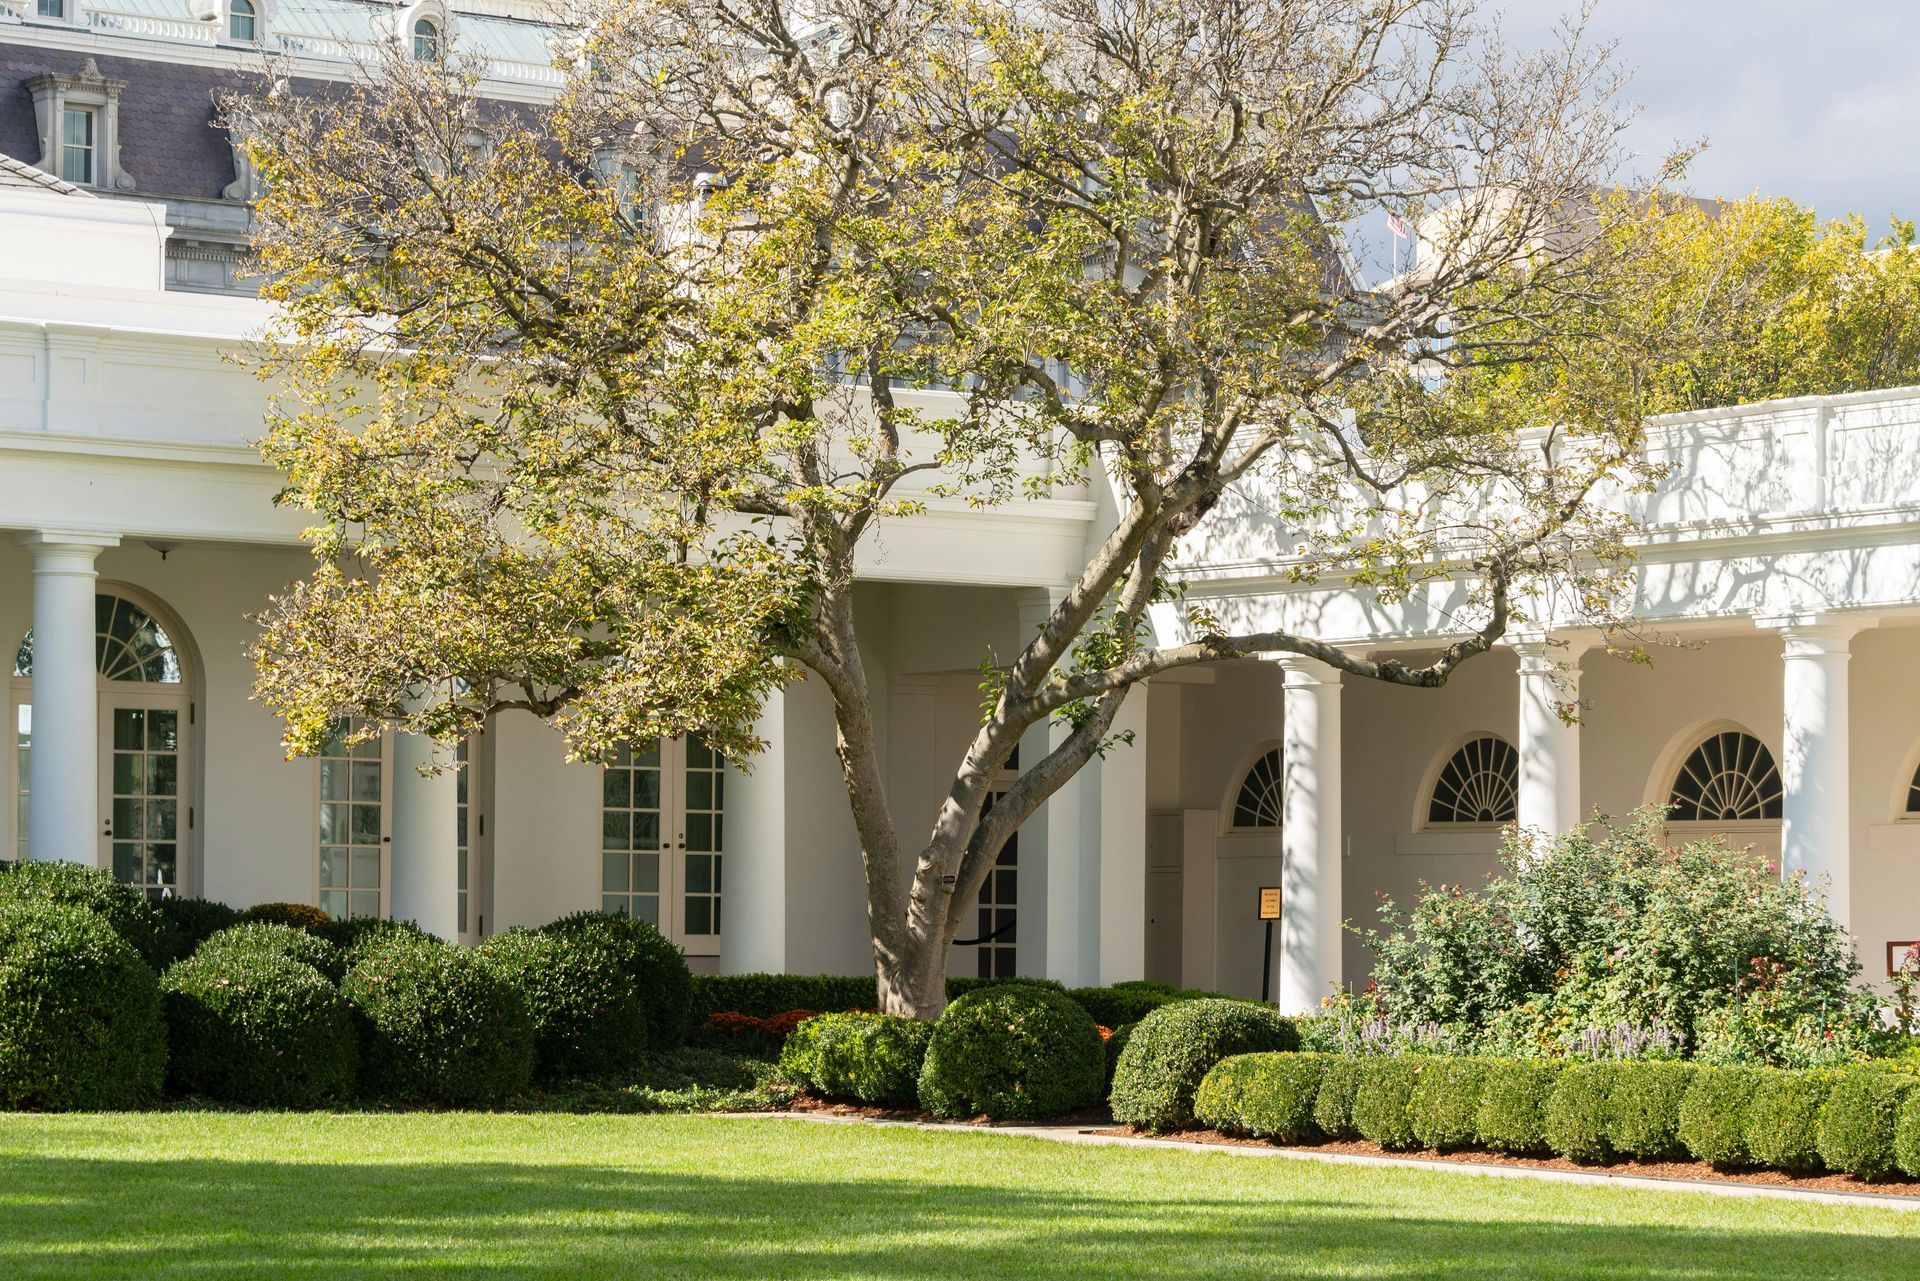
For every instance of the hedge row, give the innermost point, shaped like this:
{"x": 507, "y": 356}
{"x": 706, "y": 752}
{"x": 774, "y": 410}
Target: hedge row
{"x": 1862, "y": 1120}
{"x": 767, "y": 995}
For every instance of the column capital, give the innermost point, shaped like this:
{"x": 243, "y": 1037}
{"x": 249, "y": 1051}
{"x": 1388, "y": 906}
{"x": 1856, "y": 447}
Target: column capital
{"x": 1543, "y": 653}
{"x": 1815, "y": 635}
{"x": 50, "y": 547}
{"x": 1302, "y": 672}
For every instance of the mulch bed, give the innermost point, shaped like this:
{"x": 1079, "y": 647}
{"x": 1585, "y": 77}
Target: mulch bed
{"x": 1698, "y": 1170}
{"x": 826, "y": 1107}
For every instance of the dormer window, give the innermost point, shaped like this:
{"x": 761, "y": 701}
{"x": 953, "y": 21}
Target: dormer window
{"x": 79, "y": 146}
{"x": 55, "y": 9}
{"x": 243, "y": 21}
{"x": 426, "y": 40}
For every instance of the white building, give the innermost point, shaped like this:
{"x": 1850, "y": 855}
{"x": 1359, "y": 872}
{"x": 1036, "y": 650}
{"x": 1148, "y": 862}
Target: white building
{"x": 1783, "y": 555}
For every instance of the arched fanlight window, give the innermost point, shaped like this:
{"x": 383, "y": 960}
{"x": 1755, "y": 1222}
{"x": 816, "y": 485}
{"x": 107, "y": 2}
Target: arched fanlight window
{"x": 242, "y": 20}
{"x": 426, "y": 40}
{"x": 1729, "y": 778}
{"x": 1480, "y": 783}
{"x": 128, "y": 645}
{"x": 1913, "y": 794}
{"x": 1257, "y": 803}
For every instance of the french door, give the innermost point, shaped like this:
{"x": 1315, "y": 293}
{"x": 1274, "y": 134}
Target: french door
{"x": 661, "y": 816}
{"x": 145, "y": 806}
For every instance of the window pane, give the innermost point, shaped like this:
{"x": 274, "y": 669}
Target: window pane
{"x": 646, "y": 873}
{"x": 129, "y": 730}
{"x": 163, "y": 774}
{"x": 163, "y": 731}
{"x": 126, "y": 773}
{"x": 616, "y": 830}
{"x": 364, "y": 903}
{"x": 699, "y": 874}
{"x": 646, "y": 907}
{"x": 333, "y": 780}
{"x": 698, "y": 921}
{"x": 334, "y": 903}
{"x": 160, "y": 820}
{"x": 700, "y": 832}
{"x": 614, "y": 872}
{"x": 366, "y": 824}
{"x": 616, "y": 786}
{"x": 333, "y": 868}
{"x": 366, "y": 870}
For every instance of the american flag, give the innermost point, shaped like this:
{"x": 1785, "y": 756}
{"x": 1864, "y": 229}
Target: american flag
{"x": 1398, "y": 227}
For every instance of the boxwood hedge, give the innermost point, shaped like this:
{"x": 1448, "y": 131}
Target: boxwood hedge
{"x": 1172, "y": 1049}
{"x": 1266, "y": 1096}
{"x": 1858, "y": 1120}
{"x": 1512, "y": 1116}
{"x": 1579, "y": 1116}
{"x": 579, "y": 996}
{"x": 1015, "y": 1051}
{"x": 1713, "y": 1115}
{"x": 282, "y": 940}
{"x": 869, "y": 1058}
{"x": 1644, "y": 1110}
{"x": 661, "y": 979}
{"x": 250, "y": 1024}
{"x": 1445, "y": 1106}
{"x": 94, "y": 890}
{"x": 439, "y": 1024}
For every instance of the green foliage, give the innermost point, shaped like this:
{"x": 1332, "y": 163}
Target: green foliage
{"x": 357, "y": 935}
{"x": 1513, "y": 1105}
{"x": 1115, "y": 1047}
{"x": 189, "y": 922}
{"x": 301, "y": 916}
{"x": 92, "y": 889}
{"x": 440, "y": 1026}
{"x": 1644, "y": 1108}
{"x": 1906, "y": 1136}
{"x": 579, "y": 996}
{"x": 80, "y": 1022}
{"x": 1579, "y": 1112}
{"x": 1606, "y": 942}
{"x": 765, "y": 995}
{"x": 1857, "y": 1125}
{"x": 1383, "y": 1105}
{"x": 1172, "y": 1049}
{"x": 1333, "y": 1106}
{"x": 1783, "y": 1119}
{"x": 869, "y": 1058}
{"x": 1713, "y": 1115}
{"x": 1266, "y": 1096}
{"x": 1445, "y": 1106}
{"x": 1132, "y": 1000}
{"x": 658, "y": 968}
{"x": 1012, "y": 1052}
{"x": 282, "y": 940}
{"x": 249, "y": 1023}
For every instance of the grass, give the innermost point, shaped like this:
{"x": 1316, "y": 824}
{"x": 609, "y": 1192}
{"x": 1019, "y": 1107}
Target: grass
{"x": 192, "y": 1194}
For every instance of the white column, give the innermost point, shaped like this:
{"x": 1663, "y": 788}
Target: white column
{"x": 1057, "y": 924}
{"x": 1122, "y": 851}
{"x": 1815, "y": 835}
{"x": 1310, "y": 835}
{"x": 1549, "y": 798}
{"x": 754, "y": 937}
{"x": 424, "y": 866}
{"x": 63, "y": 775}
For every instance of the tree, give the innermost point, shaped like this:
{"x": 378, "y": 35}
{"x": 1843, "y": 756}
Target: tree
{"x": 600, "y": 440}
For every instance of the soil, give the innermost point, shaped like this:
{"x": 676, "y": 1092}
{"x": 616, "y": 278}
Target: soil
{"x": 811, "y": 1103}
{"x": 1696, "y": 1170}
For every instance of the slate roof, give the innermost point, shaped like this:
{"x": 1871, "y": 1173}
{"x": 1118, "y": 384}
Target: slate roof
{"x": 18, "y": 175}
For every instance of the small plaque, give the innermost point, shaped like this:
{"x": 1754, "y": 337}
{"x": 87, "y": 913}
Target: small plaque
{"x": 1897, "y": 952}
{"x": 1269, "y": 902}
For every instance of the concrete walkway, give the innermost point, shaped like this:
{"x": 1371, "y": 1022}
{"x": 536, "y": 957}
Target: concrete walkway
{"x": 1086, "y": 1136}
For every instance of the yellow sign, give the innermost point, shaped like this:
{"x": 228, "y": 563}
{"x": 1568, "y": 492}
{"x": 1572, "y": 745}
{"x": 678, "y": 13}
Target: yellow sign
{"x": 1270, "y": 902}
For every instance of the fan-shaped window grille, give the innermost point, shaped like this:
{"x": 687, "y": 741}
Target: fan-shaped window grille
{"x": 1258, "y": 801}
{"x": 1479, "y": 784}
{"x": 1729, "y": 778}
{"x": 128, "y": 645}
{"x": 1913, "y": 794}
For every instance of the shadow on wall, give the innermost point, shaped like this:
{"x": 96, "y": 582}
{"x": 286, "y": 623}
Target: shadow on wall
{"x": 689, "y": 1198}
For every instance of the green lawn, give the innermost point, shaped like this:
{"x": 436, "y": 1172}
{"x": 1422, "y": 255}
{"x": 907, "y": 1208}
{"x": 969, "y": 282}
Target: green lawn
{"x": 511, "y": 1196}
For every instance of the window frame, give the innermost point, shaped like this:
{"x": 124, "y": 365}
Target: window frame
{"x": 90, "y": 148}
{"x": 1437, "y": 772}
{"x": 1237, "y": 786}
{"x": 384, "y": 844}
{"x": 251, "y": 17}
{"x": 434, "y": 38}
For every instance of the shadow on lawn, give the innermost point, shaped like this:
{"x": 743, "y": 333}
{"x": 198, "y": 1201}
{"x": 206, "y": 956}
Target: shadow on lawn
{"x": 212, "y": 1219}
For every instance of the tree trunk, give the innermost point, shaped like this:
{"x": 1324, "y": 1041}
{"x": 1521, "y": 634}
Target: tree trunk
{"x": 917, "y": 986}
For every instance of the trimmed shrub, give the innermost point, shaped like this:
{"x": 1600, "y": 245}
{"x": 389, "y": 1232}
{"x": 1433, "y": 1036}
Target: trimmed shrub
{"x": 92, "y": 889}
{"x": 1783, "y": 1119}
{"x": 765, "y": 995}
{"x": 748, "y": 1034}
{"x": 355, "y": 933}
{"x": 301, "y": 916}
{"x": 961, "y": 984}
{"x": 1512, "y": 1116}
{"x": 1172, "y": 1049}
{"x": 1906, "y": 1136}
{"x": 281, "y": 940}
{"x": 1383, "y": 1105}
{"x": 1713, "y": 1115}
{"x": 1268, "y": 1096}
{"x": 1333, "y": 1106}
{"x": 1014, "y": 1051}
{"x": 1644, "y": 1109}
{"x": 1131, "y": 1001}
{"x": 586, "y": 1019}
{"x": 870, "y": 1058}
{"x": 1579, "y": 1112}
{"x": 440, "y": 1025}
{"x": 189, "y": 922}
{"x": 80, "y": 1022}
{"x": 1117, "y": 1039}
{"x": 251, "y": 1024}
{"x": 661, "y": 979}
{"x": 1446, "y": 1103}
{"x": 1857, "y": 1122}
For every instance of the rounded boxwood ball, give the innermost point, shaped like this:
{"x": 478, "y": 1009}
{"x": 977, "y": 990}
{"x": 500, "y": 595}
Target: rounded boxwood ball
{"x": 1012, "y": 1052}
{"x": 80, "y": 1022}
{"x": 1172, "y": 1049}
{"x": 439, "y": 1025}
{"x": 281, "y": 940}
{"x": 586, "y": 1019}
{"x": 659, "y": 970}
{"x": 301, "y": 916}
{"x": 189, "y": 922}
{"x": 92, "y": 889}
{"x": 253, "y": 1025}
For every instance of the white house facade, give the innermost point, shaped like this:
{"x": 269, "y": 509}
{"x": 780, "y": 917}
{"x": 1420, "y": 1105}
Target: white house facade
{"x": 1780, "y": 559}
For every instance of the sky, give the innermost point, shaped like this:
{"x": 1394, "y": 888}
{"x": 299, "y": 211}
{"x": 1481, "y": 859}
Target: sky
{"x": 1813, "y": 101}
